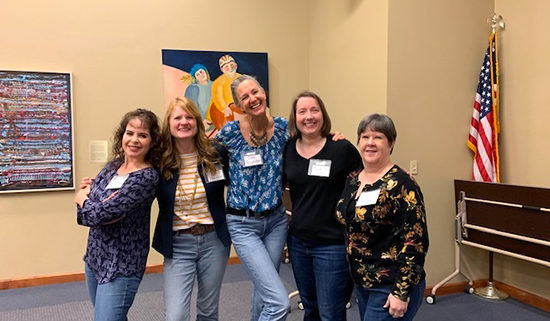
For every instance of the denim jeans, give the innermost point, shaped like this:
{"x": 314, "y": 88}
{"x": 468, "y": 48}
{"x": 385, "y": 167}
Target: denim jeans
{"x": 201, "y": 256}
{"x": 113, "y": 299}
{"x": 259, "y": 244}
{"x": 323, "y": 279}
{"x": 371, "y": 303}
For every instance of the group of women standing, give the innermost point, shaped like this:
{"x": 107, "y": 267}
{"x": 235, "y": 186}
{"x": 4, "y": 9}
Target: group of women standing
{"x": 382, "y": 238}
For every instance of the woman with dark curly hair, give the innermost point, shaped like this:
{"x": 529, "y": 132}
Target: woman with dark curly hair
{"x": 116, "y": 205}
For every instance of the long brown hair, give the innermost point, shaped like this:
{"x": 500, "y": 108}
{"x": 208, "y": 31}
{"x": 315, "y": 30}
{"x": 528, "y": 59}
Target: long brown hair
{"x": 150, "y": 121}
{"x": 207, "y": 155}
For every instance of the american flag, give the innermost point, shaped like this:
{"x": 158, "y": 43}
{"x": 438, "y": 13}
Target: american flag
{"x": 484, "y": 128}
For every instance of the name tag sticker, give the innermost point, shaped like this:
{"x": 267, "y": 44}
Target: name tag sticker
{"x": 117, "y": 181}
{"x": 252, "y": 158}
{"x": 218, "y": 175}
{"x": 319, "y": 167}
{"x": 368, "y": 198}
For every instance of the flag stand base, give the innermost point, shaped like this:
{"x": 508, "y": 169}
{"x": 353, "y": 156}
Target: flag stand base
{"x": 490, "y": 292}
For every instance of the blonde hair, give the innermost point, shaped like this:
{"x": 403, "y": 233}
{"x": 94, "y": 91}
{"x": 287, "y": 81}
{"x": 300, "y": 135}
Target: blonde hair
{"x": 207, "y": 154}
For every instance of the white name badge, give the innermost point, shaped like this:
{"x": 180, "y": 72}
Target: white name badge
{"x": 252, "y": 158}
{"x": 319, "y": 167}
{"x": 368, "y": 198}
{"x": 218, "y": 175}
{"x": 117, "y": 181}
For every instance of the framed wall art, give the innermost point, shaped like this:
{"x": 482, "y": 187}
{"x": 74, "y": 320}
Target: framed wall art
{"x": 36, "y": 131}
{"x": 205, "y": 78}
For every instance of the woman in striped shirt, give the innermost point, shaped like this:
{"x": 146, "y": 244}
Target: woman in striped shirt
{"x": 191, "y": 231}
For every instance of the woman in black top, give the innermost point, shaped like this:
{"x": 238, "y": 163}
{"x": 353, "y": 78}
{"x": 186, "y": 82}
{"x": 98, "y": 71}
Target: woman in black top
{"x": 316, "y": 168}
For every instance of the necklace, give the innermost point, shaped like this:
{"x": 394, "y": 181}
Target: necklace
{"x": 185, "y": 196}
{"x": 258, "y": 140}
{"x": 191, "y": 197}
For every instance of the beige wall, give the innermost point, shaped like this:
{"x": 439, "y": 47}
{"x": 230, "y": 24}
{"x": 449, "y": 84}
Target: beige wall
{"x": 525, "y": 77}
{"x": 348, "y": 59}
{"x": 418, "y": 61}
{"x": 433, "y": 67}
{"x": 113, "y": 50}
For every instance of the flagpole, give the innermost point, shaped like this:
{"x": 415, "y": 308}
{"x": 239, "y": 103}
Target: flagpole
{"x": 496, "y": 22}
{"x": 490, "y": 291}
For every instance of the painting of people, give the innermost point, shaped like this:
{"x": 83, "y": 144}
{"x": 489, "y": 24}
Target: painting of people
{"x": 205, "y": 78}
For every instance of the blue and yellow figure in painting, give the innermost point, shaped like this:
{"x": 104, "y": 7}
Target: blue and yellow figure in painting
{"x": 222, "y": 109}
{"x": 199, "y": 90}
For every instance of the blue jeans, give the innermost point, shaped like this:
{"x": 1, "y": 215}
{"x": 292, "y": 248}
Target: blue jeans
{"x": 322, "y": 276}
{"x": 203, "y": 256}
{"x": 371, "y": 303}
{"x": 113, "y": 299}
{"x": 259, "y": 243}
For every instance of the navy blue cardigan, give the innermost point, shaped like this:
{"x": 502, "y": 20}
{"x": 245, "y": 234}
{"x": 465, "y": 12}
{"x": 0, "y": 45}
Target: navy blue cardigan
{"x": 163, "y": 237}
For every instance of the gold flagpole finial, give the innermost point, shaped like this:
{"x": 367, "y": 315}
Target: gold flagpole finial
{"x": 496, "y": 22}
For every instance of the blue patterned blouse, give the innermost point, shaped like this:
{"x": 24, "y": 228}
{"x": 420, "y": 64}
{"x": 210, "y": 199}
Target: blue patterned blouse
{"x": 256, "y": 188}
{"x": 118, "y": 249}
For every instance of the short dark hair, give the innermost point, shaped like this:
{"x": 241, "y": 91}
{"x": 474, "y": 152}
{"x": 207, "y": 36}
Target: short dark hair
{"x": 378, "y": 123}
{"x": 294, "y": 132}
{"x": 150, "y": 121}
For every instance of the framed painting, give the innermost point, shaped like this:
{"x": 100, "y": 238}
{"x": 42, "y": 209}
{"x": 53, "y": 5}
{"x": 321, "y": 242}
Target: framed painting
{"x": 36, "y": 140}
{"x": 205, "y": 77}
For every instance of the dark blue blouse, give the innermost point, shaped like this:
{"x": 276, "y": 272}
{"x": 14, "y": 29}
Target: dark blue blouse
{"x": 118, "y": 249}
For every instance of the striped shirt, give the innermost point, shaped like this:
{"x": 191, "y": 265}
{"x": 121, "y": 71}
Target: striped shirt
{"x": 190, "y": 206}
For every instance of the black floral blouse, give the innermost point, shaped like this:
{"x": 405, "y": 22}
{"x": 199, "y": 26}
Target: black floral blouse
{"x": 386, "y": 242}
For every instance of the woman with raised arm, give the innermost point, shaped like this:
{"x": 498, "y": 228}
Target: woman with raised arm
{"x": 255, "y": 216}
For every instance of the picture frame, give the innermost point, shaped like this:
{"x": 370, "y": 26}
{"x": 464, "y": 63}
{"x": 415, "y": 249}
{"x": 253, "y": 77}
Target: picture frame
{"x": 204, "y": 77}
{"x": 36, "y": 131}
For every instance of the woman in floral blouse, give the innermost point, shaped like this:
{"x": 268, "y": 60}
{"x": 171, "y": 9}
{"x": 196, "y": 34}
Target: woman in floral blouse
{"x": 386, "y": 234}
{"x": 116, "y": 206}
{"x": 256, "y": 218}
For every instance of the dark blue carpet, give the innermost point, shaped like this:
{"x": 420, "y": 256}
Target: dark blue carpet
{"x": 28, "y": 302}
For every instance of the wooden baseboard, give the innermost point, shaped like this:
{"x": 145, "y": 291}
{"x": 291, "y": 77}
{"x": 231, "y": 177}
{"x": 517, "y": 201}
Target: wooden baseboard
{"x": 72, "y": 277}
{"x": 40, "y": 280}
{"x": 525, "y": 297}
{"x": 452, "y": 288}
{"x": 233, "y": 260}
{"x": 518, "y": 294}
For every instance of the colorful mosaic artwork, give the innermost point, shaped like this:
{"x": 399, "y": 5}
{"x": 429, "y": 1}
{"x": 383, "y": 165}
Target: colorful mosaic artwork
{"x": 36, "y": 151}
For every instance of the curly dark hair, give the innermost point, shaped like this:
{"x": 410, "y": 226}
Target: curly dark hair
{"x": 149, "y": 120}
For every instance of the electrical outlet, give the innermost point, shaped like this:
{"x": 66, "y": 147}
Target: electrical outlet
{"x": 413, "y": 167}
